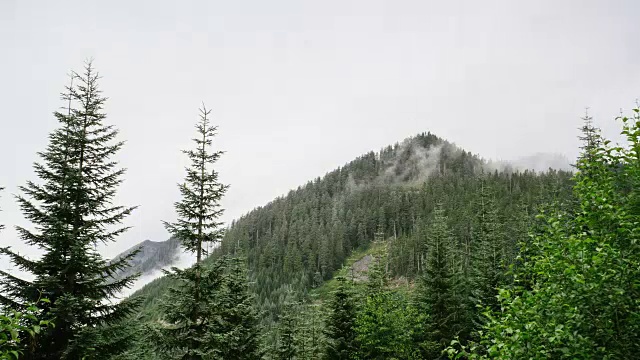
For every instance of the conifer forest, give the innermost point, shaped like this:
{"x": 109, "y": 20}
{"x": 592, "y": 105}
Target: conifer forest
{"x": 417, "y": 251}
{"x": 421, "y": 249}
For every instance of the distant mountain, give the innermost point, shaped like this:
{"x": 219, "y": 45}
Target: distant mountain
{"x": 153, "y": 256}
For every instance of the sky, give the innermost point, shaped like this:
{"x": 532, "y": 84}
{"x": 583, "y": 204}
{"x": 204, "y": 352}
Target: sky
{"x": 299, "y": 88}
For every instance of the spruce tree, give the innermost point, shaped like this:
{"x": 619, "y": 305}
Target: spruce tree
{"x": 340, "y": 330}
{"x": 241, "y": 332}
{"x": 179, "y": 336}
{"x": 287, "y": 327}
{"x": 310, "y": 339}
{"x": 438, "y": 296}
{"x": 385, "y": 323}
{"x": 199, "y": 210}
{"x": 71, "y": 210}
{"x": 487, "y": 263}
{"x": 191, "y": 308}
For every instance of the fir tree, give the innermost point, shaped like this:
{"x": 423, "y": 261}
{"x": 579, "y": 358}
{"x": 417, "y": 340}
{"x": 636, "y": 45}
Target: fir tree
{"x": 287, "y": 327}
{"x": 71, "y": 211}
{"x": 438, "y": 296}
{"x": 310, "y": 339}
{"x": 240, "y": 339}
{"x": 487, "y": 262}
{"x": 181, "y": 337}
{"x": 340, "y": 330}
{"x": 385, "y": 324}
{"x": 199, "y": 210}
{"x": 192, "y": 308}
{"x": 377, "y": 275}
{"x": 140, "y": 334}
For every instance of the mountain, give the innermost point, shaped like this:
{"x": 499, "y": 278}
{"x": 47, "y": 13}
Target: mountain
{"x": 153, "y": 256}
{"x": 297, "y": 241}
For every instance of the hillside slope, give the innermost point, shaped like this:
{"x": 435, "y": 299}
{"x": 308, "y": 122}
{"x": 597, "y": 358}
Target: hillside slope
{"x": 297, "y": 241}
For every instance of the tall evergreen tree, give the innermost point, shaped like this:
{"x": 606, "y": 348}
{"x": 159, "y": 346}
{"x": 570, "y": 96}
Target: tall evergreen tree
{"x": 385, "y": 323}
{"x": 487, "y": 261}
{"x": 438, "y": 296}
{"x": 310, "y": 340}
{"x": 72, "y": 212}
{"x": 340, "y": 330}
{"x": 199, "y": 210}
{"x": 179, "y": 335}
{"x": 190, "y": 334}
{"x": 240, "y": 337}
{"x": 287, "y": 327}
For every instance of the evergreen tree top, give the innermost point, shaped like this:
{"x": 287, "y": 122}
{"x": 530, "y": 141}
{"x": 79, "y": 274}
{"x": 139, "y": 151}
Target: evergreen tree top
{"x": 71, "y": 210}
{"x": 199, "y": 209}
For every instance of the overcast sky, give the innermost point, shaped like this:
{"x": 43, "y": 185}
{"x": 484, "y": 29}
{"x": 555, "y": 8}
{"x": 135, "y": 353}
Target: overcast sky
{"x": 301, "y": 87}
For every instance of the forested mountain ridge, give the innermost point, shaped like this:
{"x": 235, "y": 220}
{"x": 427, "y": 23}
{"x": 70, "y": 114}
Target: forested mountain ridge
{"x": 297, "y": 241}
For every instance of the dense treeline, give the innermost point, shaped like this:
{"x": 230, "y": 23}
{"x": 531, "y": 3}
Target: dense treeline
{"x": 463, "y": 259}
{"x": 298, "y": 241}
{"x": 576, "y": 295}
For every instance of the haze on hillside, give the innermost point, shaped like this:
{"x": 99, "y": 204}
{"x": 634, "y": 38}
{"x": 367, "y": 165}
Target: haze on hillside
{"x": 299, "y": 88}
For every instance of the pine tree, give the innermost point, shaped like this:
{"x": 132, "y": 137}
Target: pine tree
{"x": 199, "y": 210}
{"x": 72, "y": 212}
{"x": 287, "y": 327}
{"x": 385, "y": 323}
{"x": 377, "y": 274}
{"x": 181, "y": 337}
{"x": 438, "y": 296}
{"x": 191, "y": 308}
{"x": 140, "y": 333}
{"x": 487, "y": 262}
{"x": 310, "y": 339}
{"x": 340, "y": 329}
{"x": 240, "y": 339}
{"x": 590, "y": 137}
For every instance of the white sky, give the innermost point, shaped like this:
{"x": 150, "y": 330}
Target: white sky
{"x": 301, "y": 87}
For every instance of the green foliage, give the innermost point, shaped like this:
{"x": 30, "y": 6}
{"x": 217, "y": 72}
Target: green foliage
{"x": 180, "y": 334}
{"x": 385, "y": 323}
{"x": 488, "y": 260}
{"x": 240, "y": 335}
{"x": 285, "y": 348}
{"x": 199, "y": 209}
{"x": 140, "y": 336}
{"x": 310, "y": 339}
{"x": 382, "y": 202}
{"x": 385, "y": 326}
{"x": 209, "y": 312}
{"x": 580, "y": 289}
{"x": 71, "y": 210}
{"x": 19, "y": 330}
{"x": 340, "y": 330}
{"x": 440, "y": 297}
